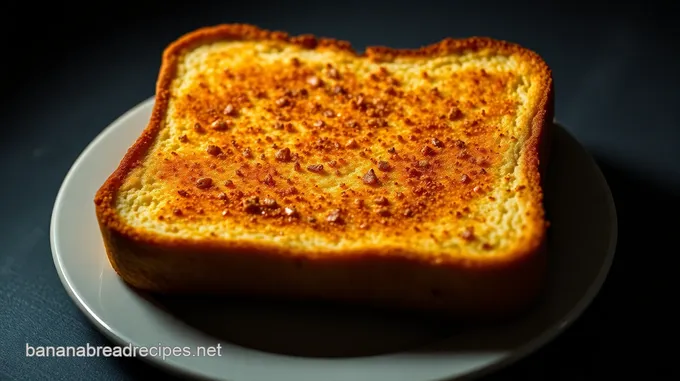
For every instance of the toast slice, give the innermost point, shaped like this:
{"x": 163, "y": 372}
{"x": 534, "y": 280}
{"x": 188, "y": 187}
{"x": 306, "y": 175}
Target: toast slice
{"x": 292, "y": 167}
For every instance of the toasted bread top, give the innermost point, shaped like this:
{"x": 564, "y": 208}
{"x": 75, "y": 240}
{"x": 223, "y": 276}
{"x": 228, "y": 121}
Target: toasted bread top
{"x": 298, "y": 145}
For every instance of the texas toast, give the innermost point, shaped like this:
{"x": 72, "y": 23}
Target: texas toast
{"x": 293, "y": 167}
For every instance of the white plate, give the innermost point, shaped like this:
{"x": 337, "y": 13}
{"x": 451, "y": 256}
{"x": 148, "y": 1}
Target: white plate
{"x": 286, "y": 342}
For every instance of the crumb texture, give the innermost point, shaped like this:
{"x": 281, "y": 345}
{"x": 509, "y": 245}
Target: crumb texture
{"x": 318, "y": 148}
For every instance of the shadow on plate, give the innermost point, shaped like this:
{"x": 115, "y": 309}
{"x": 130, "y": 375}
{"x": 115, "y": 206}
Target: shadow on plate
{"x": 305, "y": 329}
{"x": 580, "y": 236}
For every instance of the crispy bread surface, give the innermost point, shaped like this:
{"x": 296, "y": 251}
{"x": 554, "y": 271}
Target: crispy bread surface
{"x": 294, "y": 167}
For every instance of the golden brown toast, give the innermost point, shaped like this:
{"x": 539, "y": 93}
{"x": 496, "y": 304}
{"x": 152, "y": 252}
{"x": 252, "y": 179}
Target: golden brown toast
{"x": 294, "y": 167}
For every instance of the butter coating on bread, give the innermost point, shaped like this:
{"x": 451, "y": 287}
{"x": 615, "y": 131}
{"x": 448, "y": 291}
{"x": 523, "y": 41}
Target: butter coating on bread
{"x": 293, "y": 166}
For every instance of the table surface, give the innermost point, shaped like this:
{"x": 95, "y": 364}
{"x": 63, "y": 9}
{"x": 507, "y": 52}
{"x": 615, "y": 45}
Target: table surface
{"x": 80, "y": 67}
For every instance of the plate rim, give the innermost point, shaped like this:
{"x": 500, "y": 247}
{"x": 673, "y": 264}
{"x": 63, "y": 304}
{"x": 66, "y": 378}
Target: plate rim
{"x": 513, "y": 356}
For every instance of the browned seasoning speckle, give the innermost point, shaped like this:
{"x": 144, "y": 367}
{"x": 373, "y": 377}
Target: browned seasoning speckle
{"x": 269, "y": 180}
{"x": 454, "y": 113}
{"x": 316, "y": 168}
{"x": 251, "y": 205}
{"x": 230, "y": 110}
{"x": 351, "y": 144}
{"x": 437, "y": 143}
{"x": 370, "y": 178}
{"x": 468, "y": 233}
{"x": 283, "y": 102}
{"x": 333, "y": 73}
{"x": 384, "y": 212}
{"x": 270, "y": 203}
{"x": 334, "y": 216}
{"x": 214, "y": 150}
{"x": 428, "y": 151}
{"x": 204, "y": 183}
{"x": 283, "y": 154}
{"x": 381, "y": 200}
{"x": 219, "y": 125}
{"x": 314, "y": 81}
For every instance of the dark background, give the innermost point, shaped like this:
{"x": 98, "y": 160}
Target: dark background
{"x": 68, "y": 70}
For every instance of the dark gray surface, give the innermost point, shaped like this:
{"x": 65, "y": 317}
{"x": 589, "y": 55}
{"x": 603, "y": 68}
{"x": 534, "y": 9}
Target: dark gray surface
{"x": 617, "y": 92}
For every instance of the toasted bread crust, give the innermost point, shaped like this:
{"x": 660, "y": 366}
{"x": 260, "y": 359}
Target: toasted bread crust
{"x": 465, "y": 286}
